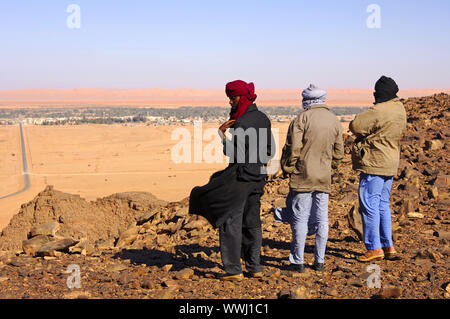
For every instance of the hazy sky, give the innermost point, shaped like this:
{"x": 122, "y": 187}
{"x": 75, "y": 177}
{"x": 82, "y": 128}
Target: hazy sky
{"x": 204, "y": 44}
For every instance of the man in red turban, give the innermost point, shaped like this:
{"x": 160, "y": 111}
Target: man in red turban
{"x": 231, "y": 199}
{"x": 241, "y": 95}
{"x": 245, "y": 92}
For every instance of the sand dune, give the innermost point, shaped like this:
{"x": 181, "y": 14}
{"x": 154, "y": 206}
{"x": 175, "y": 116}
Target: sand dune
{"x": 181, "y": 97}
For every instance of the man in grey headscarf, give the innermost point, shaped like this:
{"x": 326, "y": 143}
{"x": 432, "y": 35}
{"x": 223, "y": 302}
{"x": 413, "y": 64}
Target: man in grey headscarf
{"x": 314, "y": 139}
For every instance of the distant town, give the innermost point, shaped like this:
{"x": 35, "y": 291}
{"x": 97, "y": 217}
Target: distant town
{"x": 147, "y": 116}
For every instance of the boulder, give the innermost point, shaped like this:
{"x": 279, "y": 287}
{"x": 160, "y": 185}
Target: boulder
{"x": 355, "y": 221}
{"x": 57, "y": 245}
{"x": 128, "y": 236}
{"x": 31, "y": 246}
{"x": 146, "y": 217}
{"x": 48, "y": 229}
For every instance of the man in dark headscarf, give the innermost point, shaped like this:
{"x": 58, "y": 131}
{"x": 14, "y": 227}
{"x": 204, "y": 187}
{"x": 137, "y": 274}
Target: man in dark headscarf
{"x": 376, "y": 155}
{"x": 231, "y": 199}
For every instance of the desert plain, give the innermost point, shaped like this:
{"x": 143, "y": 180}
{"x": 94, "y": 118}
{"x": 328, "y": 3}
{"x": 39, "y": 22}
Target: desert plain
{"x": 96, "y": 160}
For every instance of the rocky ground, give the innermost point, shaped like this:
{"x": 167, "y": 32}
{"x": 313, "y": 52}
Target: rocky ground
{"x": 133, "y": 245}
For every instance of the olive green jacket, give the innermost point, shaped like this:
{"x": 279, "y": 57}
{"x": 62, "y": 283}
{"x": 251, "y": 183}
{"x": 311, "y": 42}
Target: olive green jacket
{"x": 313, "y": 140}
{"x": 378, "y": 133}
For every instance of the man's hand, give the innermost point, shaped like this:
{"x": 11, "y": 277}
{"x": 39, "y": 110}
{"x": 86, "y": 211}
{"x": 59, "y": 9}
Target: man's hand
{"x": 225, "y": 126}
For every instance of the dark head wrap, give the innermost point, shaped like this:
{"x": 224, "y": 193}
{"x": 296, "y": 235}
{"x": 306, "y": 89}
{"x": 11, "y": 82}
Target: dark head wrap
{"x": 385, "y": 90}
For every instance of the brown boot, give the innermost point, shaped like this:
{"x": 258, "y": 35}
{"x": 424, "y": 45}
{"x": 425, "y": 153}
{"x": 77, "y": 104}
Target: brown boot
{"x": 390, "y": 253}
{"x": 372, "y": 254}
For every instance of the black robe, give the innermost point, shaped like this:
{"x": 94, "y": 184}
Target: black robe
{"x": 227, "y": 190}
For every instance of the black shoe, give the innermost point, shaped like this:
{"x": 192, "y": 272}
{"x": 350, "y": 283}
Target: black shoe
{"x": 297, "y": 267}
{"x": 318, "y": 266}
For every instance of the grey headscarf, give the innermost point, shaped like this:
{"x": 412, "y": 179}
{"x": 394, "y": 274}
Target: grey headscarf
{"x": 313, "y": 95}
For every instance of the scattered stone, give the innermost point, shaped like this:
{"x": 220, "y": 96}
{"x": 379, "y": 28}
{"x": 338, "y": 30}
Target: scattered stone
{"x": 57, "y": 245}
{"x": 167, "y": 267}
{"x": 115, "y": 268}
{"x": 124, "y": 279}
{"x": 408, "y": 207}
{"x": 16, "y": 262}
{"x": 182, "y": 212}
{"x": 185, "y": 273}
{"x": 434, "y": 192}
{"x": 164, "y": 294}
{"x": 355, "y": 221}
{"x": 442, "y": 234}
{"x": 355, "y": 282}
{"x": 434, "y": 145}
{"x": 195, "y": 224}
{"x": 105, "y": 244}
{"x": 294, "y": 293}
{"x": 429, "y": 254}
{"x": 388, "y": 293}
{"x": 147, "y": 283}
{"x": 169, "y": 283}
{"x": 127, "y": 237}
{"x": 146, "y": 217}
{"x": 229, "y": 285}
{"x": 447, "y": 287}
{"x": 48, "y": 229}
{"x": 442, "y": 181}
{"x": 31, "y": 246}
{"x": 336, "y": 224}
{"x": 415, "y": 215}
{"x": 332, "y": 292}
{"x": 77, "y": 295}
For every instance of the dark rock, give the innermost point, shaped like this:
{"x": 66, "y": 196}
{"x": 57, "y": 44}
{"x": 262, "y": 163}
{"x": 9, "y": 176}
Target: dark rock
{"x": 388, "y": 293}
{"x": 355, "y": 221}
{"x": 57, "y": 245}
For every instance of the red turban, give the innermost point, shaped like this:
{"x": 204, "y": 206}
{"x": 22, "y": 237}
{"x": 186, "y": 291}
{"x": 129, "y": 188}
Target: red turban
{"x": 247, "y": 93}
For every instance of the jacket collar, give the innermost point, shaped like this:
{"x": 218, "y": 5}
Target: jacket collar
{"x": 395, "y": 99}
{"x": 318, "y": 106}
{"x": 251, "y": 108}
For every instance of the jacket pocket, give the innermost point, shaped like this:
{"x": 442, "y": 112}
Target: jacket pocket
{"x": 357, "y": 153}
{"x": 300, "y": 169}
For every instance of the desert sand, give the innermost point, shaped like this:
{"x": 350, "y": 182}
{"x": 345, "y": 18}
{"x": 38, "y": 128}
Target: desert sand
{"x": 27, "y": 98}
{"x": 98, "y": 160}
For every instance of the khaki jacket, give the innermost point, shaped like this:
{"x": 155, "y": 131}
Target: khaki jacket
{"x": 313, "y": 140}
{"x": 378, "y": 133}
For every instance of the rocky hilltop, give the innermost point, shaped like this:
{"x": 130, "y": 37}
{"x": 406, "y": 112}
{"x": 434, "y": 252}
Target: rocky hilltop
{"x": 132, "y": 245}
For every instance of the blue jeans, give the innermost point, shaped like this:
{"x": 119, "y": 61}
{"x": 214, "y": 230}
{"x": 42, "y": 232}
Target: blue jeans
{"x": 307, "y": 213}
{"x": 374, "y": 192}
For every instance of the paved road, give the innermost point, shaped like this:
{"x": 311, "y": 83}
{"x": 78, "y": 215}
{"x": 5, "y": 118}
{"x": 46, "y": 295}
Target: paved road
{"x": 26, "y": 175}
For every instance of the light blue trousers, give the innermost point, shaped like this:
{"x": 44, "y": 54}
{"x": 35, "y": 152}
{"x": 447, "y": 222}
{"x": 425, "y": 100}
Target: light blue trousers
{"x": 307, "y": 213}
{"x": 374, "y": 192}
